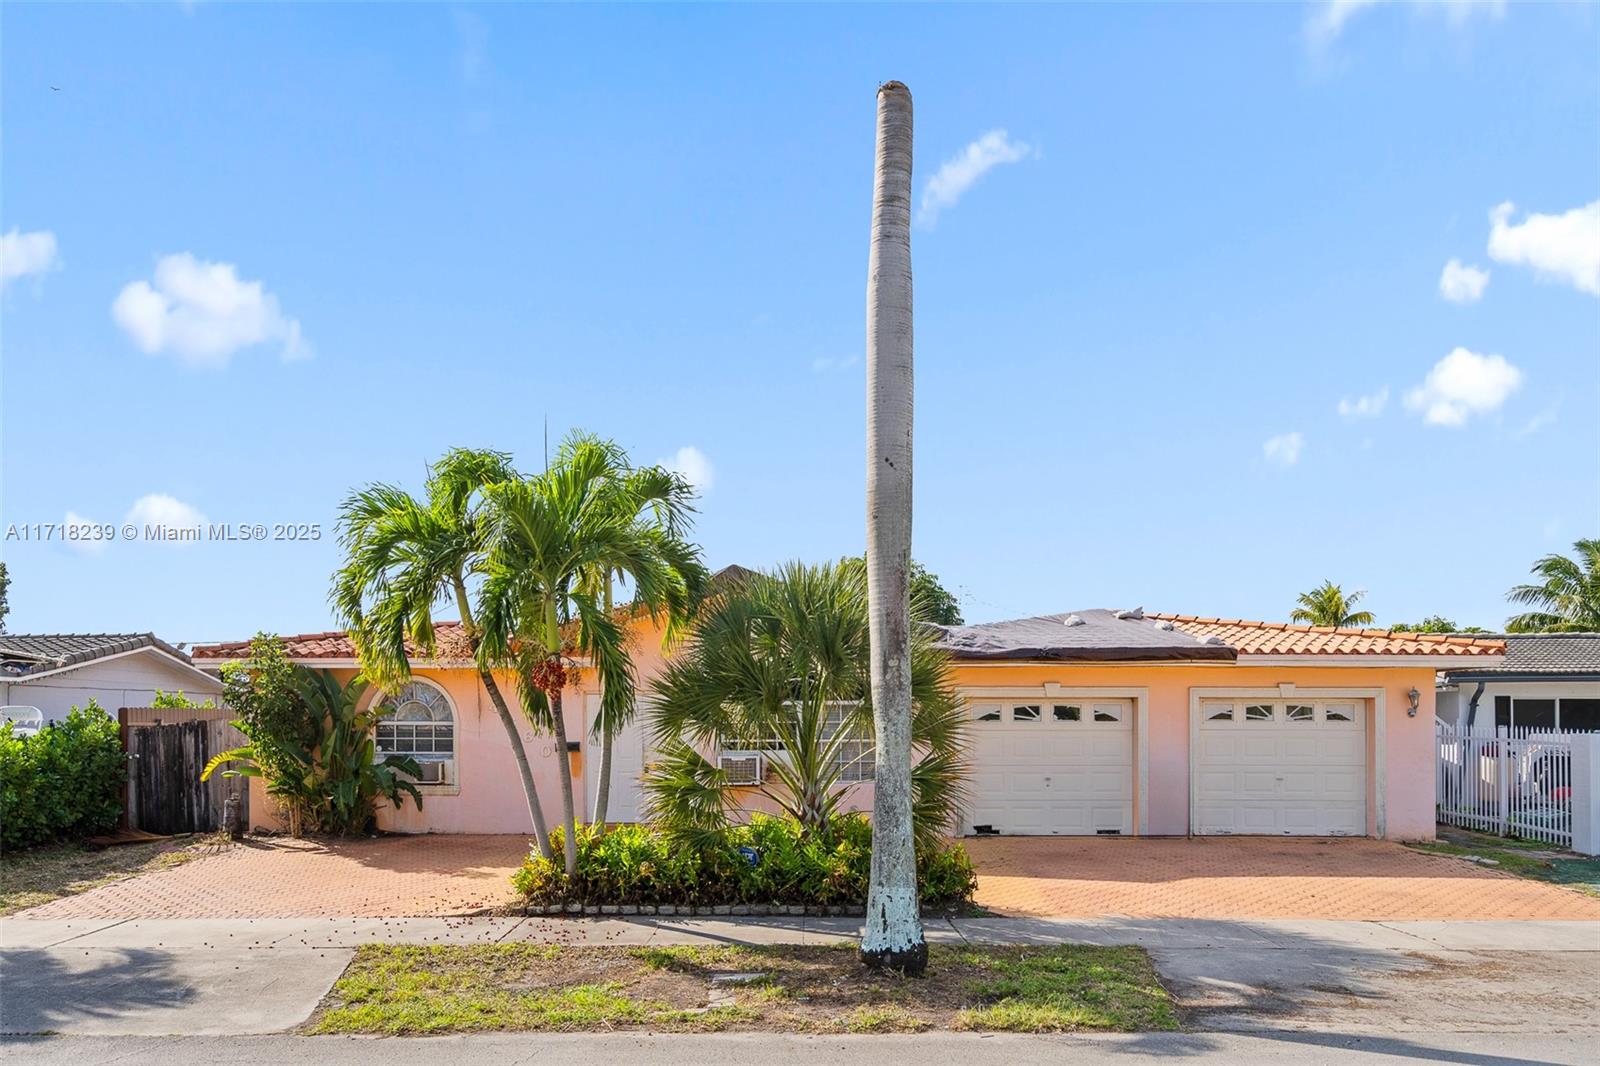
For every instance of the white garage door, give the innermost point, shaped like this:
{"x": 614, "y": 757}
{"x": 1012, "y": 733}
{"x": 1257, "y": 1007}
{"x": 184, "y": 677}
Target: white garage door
{"x": 1291, "y": 767}
{"x": 1052, "y": 766}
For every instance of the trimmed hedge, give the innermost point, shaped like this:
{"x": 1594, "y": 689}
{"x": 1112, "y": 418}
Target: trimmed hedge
{"x": 635, "y": 864}
{"x": 62, "y": 783}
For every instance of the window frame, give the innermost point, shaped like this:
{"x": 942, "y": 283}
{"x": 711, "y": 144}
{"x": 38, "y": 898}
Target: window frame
{"x": 857, "y": 756}
{"x": 393, "y": 701}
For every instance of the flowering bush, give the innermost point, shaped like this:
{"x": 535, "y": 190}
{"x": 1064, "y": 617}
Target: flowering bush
{"x": 768, "y": 860}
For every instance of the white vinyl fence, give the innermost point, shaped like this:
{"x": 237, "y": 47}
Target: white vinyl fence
{"x": 1520, "y": 783}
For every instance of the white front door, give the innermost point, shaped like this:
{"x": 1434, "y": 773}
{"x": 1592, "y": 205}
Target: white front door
{"x": 626, "y": 802}
{"x": 1052, "y": 766}
{"x": 1282, "y": 767}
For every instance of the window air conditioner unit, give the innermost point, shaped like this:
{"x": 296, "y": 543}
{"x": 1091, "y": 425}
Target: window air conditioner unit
{"x": 741, "y": 767}
{"x": 434, "y": 772}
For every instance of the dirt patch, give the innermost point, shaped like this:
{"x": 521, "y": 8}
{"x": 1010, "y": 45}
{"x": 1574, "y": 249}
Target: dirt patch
{"x": 511, "y": 987}
{"x": 39, "y": 875}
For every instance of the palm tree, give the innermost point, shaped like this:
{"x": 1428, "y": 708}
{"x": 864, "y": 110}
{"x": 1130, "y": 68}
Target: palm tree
{"x": 893, "y": 936}
{"x": 781, "y": 663}
{"x": 554, "y": 541}
{"x": 1327, "y": 605}
{"x": 1568, "y": 597}
{"x": 406, "y": 556}
{"x": 652, "y": 494}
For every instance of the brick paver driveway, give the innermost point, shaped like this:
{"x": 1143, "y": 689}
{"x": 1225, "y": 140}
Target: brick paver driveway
{"x": 270, "y": 877}
{"x": 1252, "y": 877}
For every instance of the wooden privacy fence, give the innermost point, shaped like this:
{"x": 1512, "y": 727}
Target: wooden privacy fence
{"x": 165, "y": 758}
{"x": 1518, "y": 783}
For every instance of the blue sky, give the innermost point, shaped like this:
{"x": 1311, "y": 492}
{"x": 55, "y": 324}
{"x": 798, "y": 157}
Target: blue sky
{"x": 257, "y": 256}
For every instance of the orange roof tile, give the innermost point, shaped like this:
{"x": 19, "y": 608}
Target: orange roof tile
{"x": 450, "y": 645}
{"x": 1283, "y": 638}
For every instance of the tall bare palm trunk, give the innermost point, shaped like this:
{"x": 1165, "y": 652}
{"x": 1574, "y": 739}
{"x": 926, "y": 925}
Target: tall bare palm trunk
{"x": 893, "y": 936}
{"x": 602, "y": 788}
{"x": 603, "y": 785}
{"x": 541, "y": 833}
{"x": 569, "y": 838}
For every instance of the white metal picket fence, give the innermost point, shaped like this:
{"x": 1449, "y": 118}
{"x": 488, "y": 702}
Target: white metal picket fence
{"x": 1516, "y": 783}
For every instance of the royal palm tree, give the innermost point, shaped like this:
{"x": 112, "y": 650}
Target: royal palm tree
{"x": 893, "y": 936}
{"x": 1327, "y": 605}
{"x": 554, "y": 541}
{"x": 781, "y": 663}
{"x": 1567, "y": 598}
{"x": 406, "y": 556}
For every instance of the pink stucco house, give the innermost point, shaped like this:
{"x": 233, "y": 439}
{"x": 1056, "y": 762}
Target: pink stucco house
{"x": 1095, "y": 722}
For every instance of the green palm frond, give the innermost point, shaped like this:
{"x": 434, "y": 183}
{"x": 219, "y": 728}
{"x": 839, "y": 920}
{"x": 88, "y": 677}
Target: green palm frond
{"x": 770, "y": 659}
{"x": 1567, "y": 597}
{"x": 1329, "y": 605}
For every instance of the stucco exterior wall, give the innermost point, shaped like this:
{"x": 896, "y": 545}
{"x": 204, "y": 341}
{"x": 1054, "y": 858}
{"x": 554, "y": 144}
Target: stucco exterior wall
{"x": 487, "y": 796}
{"x": 1405, "y": 769}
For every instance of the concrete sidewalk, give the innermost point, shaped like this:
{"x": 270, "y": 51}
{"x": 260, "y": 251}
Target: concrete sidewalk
{"x": 256, "y": 976}
{"x": 1153, "y": 933}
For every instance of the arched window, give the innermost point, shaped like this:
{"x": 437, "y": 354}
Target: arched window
{"x": 418, "y": 721}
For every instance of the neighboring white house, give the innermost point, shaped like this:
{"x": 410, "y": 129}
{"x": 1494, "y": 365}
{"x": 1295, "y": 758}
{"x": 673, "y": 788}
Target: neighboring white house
{"x": 58, "y": 671}
{"x": 1547, "y": 681}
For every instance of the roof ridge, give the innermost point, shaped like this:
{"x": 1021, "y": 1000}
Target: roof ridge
{"x": 1451, "y": 640}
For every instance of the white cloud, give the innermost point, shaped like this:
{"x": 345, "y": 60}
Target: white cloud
{"x": 824, "y": 364}
{"x": 1326, "y": 19}
{"x": 81, "y": 541}
{"x": 159, "y": 509}
{"x": 1535, "y": 424}
{"x": 1462, "y": 284}
{"x": 22, "y": 254}
{"x": 961, "y": 171}
{"x": 1565, "y": 247}
{"x": 1284, "y": 451}
{"x": 1365, "y": 406}
{"x": 203, "y": 313}
{"x": 1461, "y": 385}
{"x": 692, "y": 463}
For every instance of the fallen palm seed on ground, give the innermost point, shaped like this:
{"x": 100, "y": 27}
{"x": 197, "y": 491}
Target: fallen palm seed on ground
{"x": 481, "y": 987}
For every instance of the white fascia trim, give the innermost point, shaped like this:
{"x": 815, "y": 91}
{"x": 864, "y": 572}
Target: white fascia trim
{"x": 1079, "y": 664}
{"x": 179, "y": 663}
{"x": 1380, "y": 775}
{"x": 1435, "y": 662}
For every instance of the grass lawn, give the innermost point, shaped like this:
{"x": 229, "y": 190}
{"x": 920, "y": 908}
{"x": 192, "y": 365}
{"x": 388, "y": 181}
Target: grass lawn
{"x": 39, "y": 875}
{"x": 1524, "y": 858}
{"x": 395, "y": 989}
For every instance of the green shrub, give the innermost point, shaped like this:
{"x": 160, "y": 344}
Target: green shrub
{"x": 334, "y": 785}
{"x": 638, "y": 864}
{"x": 64, "y": 782}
